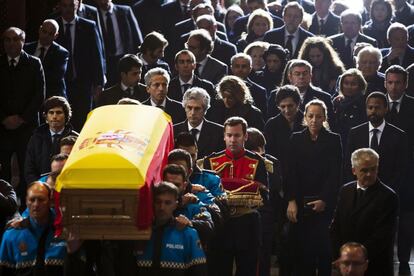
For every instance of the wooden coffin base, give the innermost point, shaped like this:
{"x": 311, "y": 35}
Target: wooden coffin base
{"x": 101, "y": 214}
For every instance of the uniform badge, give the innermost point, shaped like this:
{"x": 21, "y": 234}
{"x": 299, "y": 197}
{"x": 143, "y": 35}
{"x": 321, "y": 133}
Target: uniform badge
{"x": 23, "y": 248}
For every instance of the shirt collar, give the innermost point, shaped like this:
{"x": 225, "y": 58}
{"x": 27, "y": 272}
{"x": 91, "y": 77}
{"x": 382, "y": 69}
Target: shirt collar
{"x": 197, "y": 127}
{"x": 189, "y": 82}
{"x": 111, "y": 9}
{"x": 380, "y": 128}
{"x": 391, "y": 100}
{"x": 144, "y": 62}
{"x": 295, "y": 34}
{"x": 162, "y": 104}
{"x": 16, "y": 59}
{"x": 124, "y": 87}
{"x": 71, "y": 22}
{"x": 53, "y": 133}
{"x": 40, "y": 46}
{"x": 203, "y": 62}
{"x": 359, "y": 187}
{"x": 324, "y": 18}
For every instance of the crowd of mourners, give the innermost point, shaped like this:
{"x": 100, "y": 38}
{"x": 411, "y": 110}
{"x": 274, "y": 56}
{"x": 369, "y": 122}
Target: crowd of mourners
{"x": 293, "y": 128}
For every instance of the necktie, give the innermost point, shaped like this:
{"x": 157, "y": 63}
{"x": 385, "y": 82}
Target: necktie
{"x": 68, "y": 46}
{"x": 321, "y": 25}
{"x": 348, "y": 49}
{"x": 194, "y": 133}
{"x": 161, "y": 107}
{"x": 360, "y": 196}
{"x": 289, "y": 45}
{"x": 185, "y": 87}
{"x": 374, "y": 140}
{"x": 393, "y": 113}
{"x": 110, "y": 35}
{"x": 42, "y": 53}
{"x": 197, "y": 70}
{"x": 55, "y": 143}
{"x": 394, "y": 108}
{"x": 12, "y": 63}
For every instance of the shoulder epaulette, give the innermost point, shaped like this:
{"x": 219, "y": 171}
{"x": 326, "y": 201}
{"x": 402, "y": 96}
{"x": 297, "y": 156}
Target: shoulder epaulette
{"x": 268, "y": 165}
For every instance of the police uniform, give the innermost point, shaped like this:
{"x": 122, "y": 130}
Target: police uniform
{"x": 239, "y": 237}
{"x": 208, "y": 179}
{"x": 172, "y": 252}
{"x": 32, "y": 250}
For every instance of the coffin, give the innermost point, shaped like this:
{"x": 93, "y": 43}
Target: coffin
{"x": 104, "y": 190}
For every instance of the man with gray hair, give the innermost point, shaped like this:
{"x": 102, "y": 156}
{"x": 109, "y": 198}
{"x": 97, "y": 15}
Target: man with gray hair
{"x": 367, "y": 213}
{"x": 157, "y": 80}
{"x": 53, "y": 56}
{"x": 344, "y": 42}
{"x": 208, "y": 135}
{"x": 368, "y": 61}
{"x": 399, "y": 53}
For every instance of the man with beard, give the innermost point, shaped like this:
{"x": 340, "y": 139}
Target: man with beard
{"x": 387, "y": 140}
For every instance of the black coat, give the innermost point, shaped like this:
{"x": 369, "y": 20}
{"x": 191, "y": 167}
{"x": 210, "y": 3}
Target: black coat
{"x": 210, "y": 139}
{"x": 172, "y": 108}
{"x": 223, "y": 50}
{"x": 277, "y": 36}
{"x": 380, "y": 34}
{"x": 54, "y": 65}
{"x": 171, "y": 14}
{"x": 214, "y": 70}
{"x": 175, "y": 91}
{"x": 113, "y": 94}
{"x": 8, "y": 203}
{"x": 375, "y": 83}
{"x": 372, "y": 223}
{"x": 407, "y": 60}
{"x": 306, "y": 177}
{"x": 406, "y": 16}
{"x": 330, "y": 27}
{"x": 339, "y": 45}
{"x": 147, "y": 14}
{"x": 259, "y": 95}
{"x": 393, "y": 152}
{"x": 40, "y": 151}
{"x": 219, "y": 113}
{"x": 240, "y": 25}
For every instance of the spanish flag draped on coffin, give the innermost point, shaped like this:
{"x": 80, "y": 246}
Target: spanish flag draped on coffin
{"x": 104, "y": 190}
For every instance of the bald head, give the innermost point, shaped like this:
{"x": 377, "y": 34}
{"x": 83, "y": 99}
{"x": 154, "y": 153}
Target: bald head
{"x": 48, "y": 32}
{"x": 38, "y": 201}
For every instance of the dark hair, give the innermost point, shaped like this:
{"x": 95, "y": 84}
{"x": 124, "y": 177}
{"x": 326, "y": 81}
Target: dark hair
{"x": 58, "y": 101}
{"x": 152, "y": 41}
{"x": 175, "y": 170}
{"x": 59, "y": 157}
{"x": 255, "y": 139}
{"x": 180, "y": 155}
{"x": 68, "y": 140}
{"x": 185, "y": 139}
{"x": 127, "y": 62}
{"x": 49, "y": 190}
{"x": 387, "y": 5}
{"x": 184, "y": 52}
{"x": 164, "y": 187}
{"x": 287, "y": 91}
{"x": 204, "y": 38}
{"x": 234, "y": 121}
{"x": 378, "y": 95}
{"x": 397, "y": 69}
{"x": 280, "y": 52}
{"x": 54, "y": 175}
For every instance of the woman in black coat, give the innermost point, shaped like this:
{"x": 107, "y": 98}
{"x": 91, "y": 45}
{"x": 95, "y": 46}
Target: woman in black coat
{"x": 234, "y": 99}
{"x": 349, "y": 107}
{"x": 311, "y": 186}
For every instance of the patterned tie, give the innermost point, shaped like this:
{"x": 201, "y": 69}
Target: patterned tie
{"x": 289, "y": 45}
{"x": 374, "y": 140}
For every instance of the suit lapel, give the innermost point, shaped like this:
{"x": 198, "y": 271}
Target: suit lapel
{"x": 368, "y": 197}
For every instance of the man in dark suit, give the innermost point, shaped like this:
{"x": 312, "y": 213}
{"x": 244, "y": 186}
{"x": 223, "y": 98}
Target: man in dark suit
{"x": 54, "y": 58}
{"x": 222, "y": 49}
{"x": 151, "y": 51}
{"x": 201, "y": 45}
{"x": 324, "y": 22}
{"x": 240, "y": 25}
{"x": 367, "y": 213}
{"x": 389, "y": 141}
{"x": 172, "y": 13}
{"x": 157, "y": 80}
{"x": 208, "y": 135}
{"x": 400, "y": 53}
{"x": 241, "y": 66}
{"x": 129, "y": 87}
{"x": 299, "y": 75}
{"x": 21, "y": 96}
{"x": 121, "y": 34}
{"x": 344, "y": 43}
{"x": 401, "y": 114}
{"x": 85, "y": 72}
{"x": 147, "y": 13}
{"x": 185, "y": 64}
{"x": 291, "y": 35}
{"x": 404, "y": 12}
